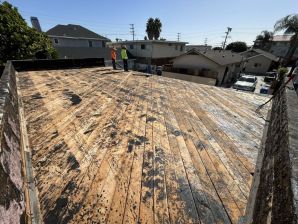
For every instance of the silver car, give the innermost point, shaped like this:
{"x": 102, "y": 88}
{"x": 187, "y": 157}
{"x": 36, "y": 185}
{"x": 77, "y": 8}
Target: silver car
{"x": 246, "y": 82}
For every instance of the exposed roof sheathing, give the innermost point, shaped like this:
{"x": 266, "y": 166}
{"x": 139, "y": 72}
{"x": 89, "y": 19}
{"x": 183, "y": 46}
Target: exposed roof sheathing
{"x": 115, "y": 147}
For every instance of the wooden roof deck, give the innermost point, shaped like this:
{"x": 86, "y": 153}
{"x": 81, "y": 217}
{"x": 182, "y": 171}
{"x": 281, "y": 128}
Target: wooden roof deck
{"x": 114, "y": 147}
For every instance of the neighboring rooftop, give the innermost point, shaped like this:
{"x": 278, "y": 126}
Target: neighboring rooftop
{"x": 282, "y": 38}
{"x": 117, "y": 147}
{"x": 221, "y": 57}
{"x": 75, "y": 31}
{"x": 259, "y": 52}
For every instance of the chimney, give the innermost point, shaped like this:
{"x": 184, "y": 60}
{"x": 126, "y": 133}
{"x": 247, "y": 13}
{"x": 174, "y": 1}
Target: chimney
{"x": 35, "y": 23}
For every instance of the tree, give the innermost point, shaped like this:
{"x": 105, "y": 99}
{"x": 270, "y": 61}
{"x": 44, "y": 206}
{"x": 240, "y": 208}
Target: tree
{"x": 217, "y": 48}
{"x": 18, "y": 40}
{"x": 289, "y": 24}
{"x": 237, "y": 46}
{"x": 264, "y": 40}
{"x": 145, "y": 38}
{"x": 157, "y": 28}
{"x": 153, "y": 28}
{"x": 150, "y": 28}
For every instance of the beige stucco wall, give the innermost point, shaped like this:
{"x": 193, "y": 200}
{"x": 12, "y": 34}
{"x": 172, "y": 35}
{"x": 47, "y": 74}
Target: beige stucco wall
{"x": 190, "y": 78}
{"x": 262, "y": 69}
{"x": 166, "y": 51}
{"x": 153, "y": 50}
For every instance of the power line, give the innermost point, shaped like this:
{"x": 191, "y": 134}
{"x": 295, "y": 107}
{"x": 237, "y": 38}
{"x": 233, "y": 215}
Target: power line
{"x": 132, "y": 31}
{"x": 178, "y": 36}
{"x": 227, "y": 33}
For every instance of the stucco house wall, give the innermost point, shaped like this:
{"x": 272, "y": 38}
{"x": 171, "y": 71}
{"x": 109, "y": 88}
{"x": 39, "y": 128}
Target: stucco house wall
{"x": 75, "y": 42}
{"x": 258, "y": 65}
{"x": 199, "y": 62}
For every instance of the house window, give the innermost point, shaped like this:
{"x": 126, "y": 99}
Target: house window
{"x": 56, "y": 41}
{"x": 131, "y": 46}
{"x": 257, "y": 65}
{"x": 170, "y": 44}
{"x": 181, "y": 48}
{"x": 143, "y": 46}
{"x": 103, "y": 44}
{"x": 176, "y": 47}
{"x": 90, "y": 43}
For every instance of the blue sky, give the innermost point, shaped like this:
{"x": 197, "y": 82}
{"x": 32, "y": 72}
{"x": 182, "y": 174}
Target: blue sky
{"x": 194, "y": 19}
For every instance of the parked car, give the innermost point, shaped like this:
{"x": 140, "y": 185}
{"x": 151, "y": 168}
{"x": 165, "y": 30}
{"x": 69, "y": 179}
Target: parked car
{"x": 264, "y": 89}
{"x": 246, "y": 82}
{"x": 270, "y": 76}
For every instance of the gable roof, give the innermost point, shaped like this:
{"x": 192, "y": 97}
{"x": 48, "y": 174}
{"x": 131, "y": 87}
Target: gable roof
{"x": 221, "y": 57}
{"x": 261, "y": 52}
{"x": 72, "y": 30}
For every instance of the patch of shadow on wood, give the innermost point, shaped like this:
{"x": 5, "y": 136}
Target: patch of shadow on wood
{"x": 62, "y": 212}
{"x": 200, "y": 145}
{"x": 177, "y": 133}
{"x": 74, "y": 98}
{"x": 124, "y": 90}
{"x": 55, "y": 134}
{"x": 72, "y": 161}
{"x": 36, "y": 96}
{"x": 150, "y": 119}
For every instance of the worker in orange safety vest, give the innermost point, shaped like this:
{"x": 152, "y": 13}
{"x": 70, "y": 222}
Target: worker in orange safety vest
{"x": 114, "y": 56}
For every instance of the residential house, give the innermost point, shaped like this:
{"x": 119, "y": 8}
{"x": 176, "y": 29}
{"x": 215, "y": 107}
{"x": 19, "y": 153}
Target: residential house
{"x": 211, "y": 67}
{"x": 75, "y": 41}
{"x": 198, "y": 47}
{"x": 258, "y": 61}
{"x": 155, "y": 52}
{"x": 280, "y": 46}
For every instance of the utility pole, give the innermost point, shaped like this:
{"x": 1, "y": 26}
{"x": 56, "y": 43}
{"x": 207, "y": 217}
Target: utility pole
{"x": 205, "y": 42}
{"x": 132, "y": 31}
{"x": 178, "y": 36}
{"x": 227, "y": 33}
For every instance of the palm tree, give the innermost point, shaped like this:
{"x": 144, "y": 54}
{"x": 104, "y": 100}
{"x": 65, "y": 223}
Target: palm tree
{"x": 153, "y": 28}
{"x": 150, "y": 28}
{"x": 263, "y": 40}
{"x": 157, "y": 28}
{"x": 289, "y": 25}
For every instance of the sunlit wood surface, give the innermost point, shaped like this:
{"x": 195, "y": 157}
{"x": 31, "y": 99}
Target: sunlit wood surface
{"x": 115, "y": 147}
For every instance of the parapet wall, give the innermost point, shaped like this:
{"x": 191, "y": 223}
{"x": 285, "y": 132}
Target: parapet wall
{"x": 12, "y": 203}
{"x": 18, "y": 201}
{"x": 274, "y": 194}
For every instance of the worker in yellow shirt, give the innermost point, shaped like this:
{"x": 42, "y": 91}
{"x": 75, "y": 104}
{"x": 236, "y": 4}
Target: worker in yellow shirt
{"x": 124, "y": 58}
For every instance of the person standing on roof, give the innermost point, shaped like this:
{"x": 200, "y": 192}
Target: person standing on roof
{"x": 114, "y": 56}
{"x": 124, "y": 58}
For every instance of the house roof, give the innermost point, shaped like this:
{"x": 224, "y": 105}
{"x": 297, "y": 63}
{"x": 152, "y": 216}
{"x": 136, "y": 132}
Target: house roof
{"x": 260, "y": 52}
{"x": 278, "y": 38}
{"x": 108, "y": 135}
{"x": 76, "y": 31}
{"x": 218, "y": 56}
{"x": 148, "y": 41}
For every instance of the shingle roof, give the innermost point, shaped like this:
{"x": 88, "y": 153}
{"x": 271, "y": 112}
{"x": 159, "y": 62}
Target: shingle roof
{"x": 72, "y": 30}
{"x": 218, "y": 56}
{"x": 261, "y": 52}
